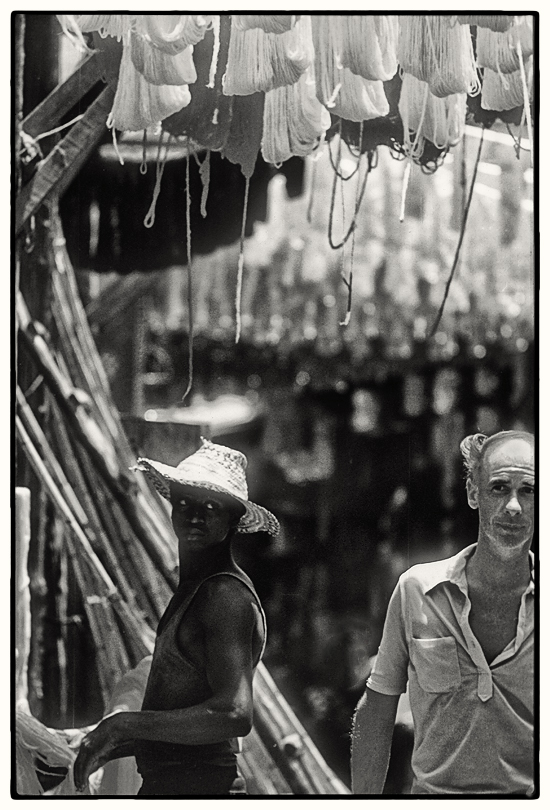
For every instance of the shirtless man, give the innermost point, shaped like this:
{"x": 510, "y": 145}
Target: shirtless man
{"x": 460, "y": 633}
{"x": 198, "y": 698}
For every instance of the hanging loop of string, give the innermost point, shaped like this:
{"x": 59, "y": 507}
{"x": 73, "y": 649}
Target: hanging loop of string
{"x": 349, "y": 281}
{"x": 189, "y": 273}
{"x": 460, "y": 238}
{"x": 331, "y": 156}
{"x": 143, "y": 166}
{"x": 240, "y": 271}
{"x": 149, "y": 220}
{"x": 359, "y": 200}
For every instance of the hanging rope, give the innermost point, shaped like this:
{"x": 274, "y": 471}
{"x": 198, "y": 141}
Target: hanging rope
{"x": 311, "y": 191}
{"x": 143, "y": 167}
{"x": 204, "y": 172}
{"x": 189, "y": 272}
{"x": 349, "y": 282}
{"x": 331, "y": 157}
{"x": 149, "y": 220}
{"x": 460, "y": 238}
{"x": 241, "y": 265}
{"x": 334, "y": 246}
{"x": 526, "y": 105}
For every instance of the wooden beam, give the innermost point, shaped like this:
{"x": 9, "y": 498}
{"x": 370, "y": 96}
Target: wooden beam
{"x": 60, "y": 167}
{"x": 62, "y": 99}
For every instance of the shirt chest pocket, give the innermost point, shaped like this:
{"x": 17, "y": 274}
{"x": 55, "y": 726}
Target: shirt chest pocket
{"x": 436, "y": 663}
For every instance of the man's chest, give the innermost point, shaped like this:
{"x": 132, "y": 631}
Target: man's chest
{"x": 494, "y": 621}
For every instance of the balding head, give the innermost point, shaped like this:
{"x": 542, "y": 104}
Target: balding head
{"x": 475, "y": 447}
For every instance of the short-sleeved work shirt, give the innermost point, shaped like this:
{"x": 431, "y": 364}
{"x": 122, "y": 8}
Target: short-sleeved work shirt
{"x": 473, "y": 722}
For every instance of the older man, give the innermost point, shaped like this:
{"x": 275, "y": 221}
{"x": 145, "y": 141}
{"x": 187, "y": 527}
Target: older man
{"x": 198, "y": 699}
{"x": 460, "y": 633}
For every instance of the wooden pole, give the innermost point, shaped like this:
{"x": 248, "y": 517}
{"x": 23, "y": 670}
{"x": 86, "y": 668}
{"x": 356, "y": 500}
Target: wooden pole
{"x": 22, "y": 595}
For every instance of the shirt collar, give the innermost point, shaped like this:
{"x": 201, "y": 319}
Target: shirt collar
{"x": 453, "y": 569}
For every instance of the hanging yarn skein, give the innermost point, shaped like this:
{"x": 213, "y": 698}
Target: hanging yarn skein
{"x": 172, "y": 33}
{"x": 294, "y": 119}
{"x": 369, "y": 45}
{"x": 505, "y": 91}
{"x": 434, "y": 51}
{"x": 270, "y": 23}
{"x": 139, "y": 104}
{"x": 344, "y": 93}
{"x": 158, "y": 67}
{"x": 498, "y": 51}
{"x": 495, "y": 22}
{"x": 260, "y": 61}
{"x": 438, "y": 120}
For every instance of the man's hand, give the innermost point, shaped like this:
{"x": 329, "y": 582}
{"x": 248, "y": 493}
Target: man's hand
{"x": 97, "y": 748}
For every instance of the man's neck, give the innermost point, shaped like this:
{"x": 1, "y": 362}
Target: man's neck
{"x": 197, "y": 563}
{"x": 495, "y": 571}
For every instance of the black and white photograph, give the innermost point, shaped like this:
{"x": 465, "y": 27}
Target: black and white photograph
{"x": 275, "y": 354}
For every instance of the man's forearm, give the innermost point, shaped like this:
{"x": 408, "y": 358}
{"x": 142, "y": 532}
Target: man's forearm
{"x": 196, "y": 725}
{"x": 371, "y": 742}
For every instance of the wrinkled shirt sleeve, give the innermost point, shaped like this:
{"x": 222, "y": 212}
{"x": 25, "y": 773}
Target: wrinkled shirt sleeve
{"x": 389, "y": 673}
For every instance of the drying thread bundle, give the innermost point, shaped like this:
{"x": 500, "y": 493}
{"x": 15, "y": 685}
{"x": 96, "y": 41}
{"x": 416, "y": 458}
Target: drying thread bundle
{"x": 498, "y": 51}
{"x": 343, "y": 92}
{"x": 139, "y": 104}
{"x": 172, "y": 33}
{"x": 439, "y": 120}
{"x": 270, "y": 23}
{"x": 158, "y": 67}
{"x": 369, "y": 45}
{"x": 495, "y": 22}
{"x": 294, "y": 119}
{"x": 107, "y": 25}
{"x": 258, "y": 61}
{"x": 501, "y": 92}
{"x": 505, "y": 91}
{"x": 434, "y": 51}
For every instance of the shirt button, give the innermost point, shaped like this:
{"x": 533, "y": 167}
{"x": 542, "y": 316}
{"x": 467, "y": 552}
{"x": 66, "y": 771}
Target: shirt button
{"x": 485, "y": 686}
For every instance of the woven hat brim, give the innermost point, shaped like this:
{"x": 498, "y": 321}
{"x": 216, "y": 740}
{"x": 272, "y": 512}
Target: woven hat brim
{"x": 255, "y": 519}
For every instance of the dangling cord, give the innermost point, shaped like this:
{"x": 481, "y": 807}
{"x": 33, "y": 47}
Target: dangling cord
{"x": 353, "y": 223}
{"x": 313, "y": 165}
{"x": 526, "y": 105}
{"x": 332, "y": 163}
{"x": 241, "y": 265}
{"x": 411, "y": 153}
{"x": 143, "y": 167}
{"x": 149, "y": 220}
{"x": 204, "y": 172}
{"x": 115, "y": 144}
{"x": 215, "y": 51}
{"x": 189, "y": 272}
{"x": 349, "y": 282}
{"x": 460, "y": 238}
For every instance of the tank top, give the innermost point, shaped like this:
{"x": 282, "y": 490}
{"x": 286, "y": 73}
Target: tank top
{"x": 175, "y": 682}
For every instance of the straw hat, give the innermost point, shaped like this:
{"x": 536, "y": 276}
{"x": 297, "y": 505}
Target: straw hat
{"x": 217, "y": 469}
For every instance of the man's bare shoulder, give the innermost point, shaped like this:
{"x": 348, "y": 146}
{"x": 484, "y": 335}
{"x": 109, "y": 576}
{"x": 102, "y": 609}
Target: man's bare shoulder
{"x": 225, "y": 597}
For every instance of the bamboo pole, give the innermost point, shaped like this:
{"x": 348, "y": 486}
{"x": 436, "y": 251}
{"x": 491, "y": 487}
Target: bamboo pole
{"x": 60, "y": 167}
{"x": 89, "y": 434}
{"x": 64, "y": 280}
{"x": 62, "y": 99}
{"x": 295, "y": 752}
{"x": 22, "y": 594}
{"x": 261, "y": 774}
{"x": 33, "y": 427}
{"x": 142, "y": 634}
{"x": 100, "y": 540}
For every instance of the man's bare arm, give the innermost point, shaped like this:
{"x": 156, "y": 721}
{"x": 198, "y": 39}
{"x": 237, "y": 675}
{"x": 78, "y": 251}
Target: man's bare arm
{"x": 228, "y": 621}
{"x": 371, "y": 741}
